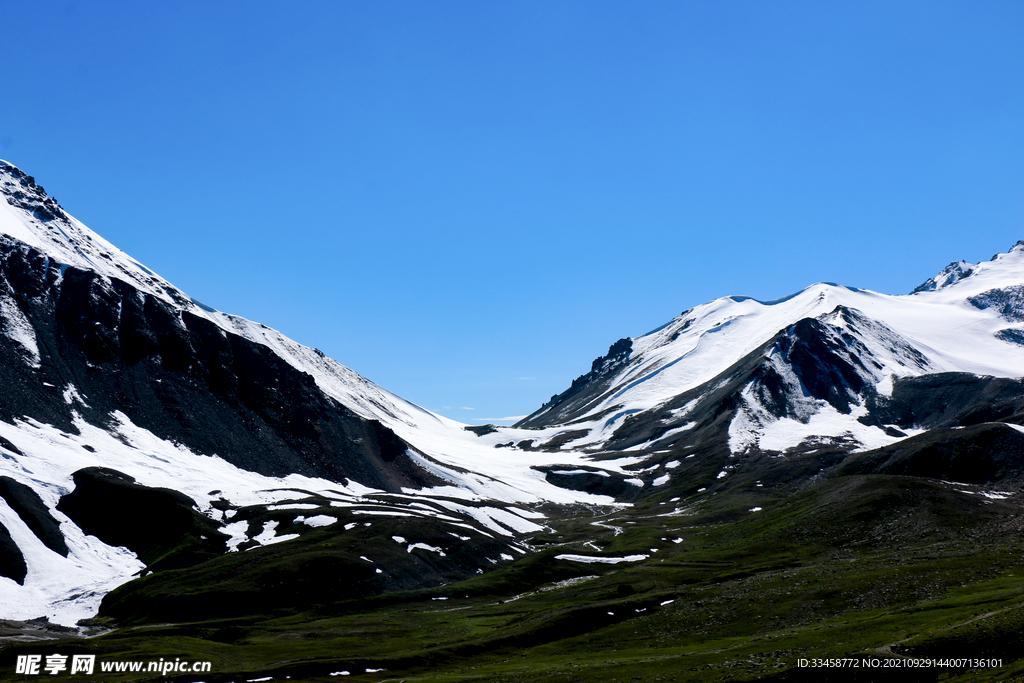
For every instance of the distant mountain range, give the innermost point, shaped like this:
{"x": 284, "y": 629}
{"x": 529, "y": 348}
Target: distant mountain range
{"x": 145, "y": 435}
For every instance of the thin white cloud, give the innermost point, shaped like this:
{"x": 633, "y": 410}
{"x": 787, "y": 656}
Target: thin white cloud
{"x": 514, "y": 418}
{"x": 465, "y": 408}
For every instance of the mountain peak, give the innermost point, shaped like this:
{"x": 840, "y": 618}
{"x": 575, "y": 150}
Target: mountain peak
{"x": 961, "y": 270}
{"x": 954, "y": 272}
{"x": 32, "y": 217}
{"x": 22, "y": 191}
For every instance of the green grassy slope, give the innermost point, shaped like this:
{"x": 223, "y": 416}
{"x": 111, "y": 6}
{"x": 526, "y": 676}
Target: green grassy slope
{"x": 867, "y": 566}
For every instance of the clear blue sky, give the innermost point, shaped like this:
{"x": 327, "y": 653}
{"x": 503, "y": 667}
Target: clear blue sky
{"x": 469, "y": 201}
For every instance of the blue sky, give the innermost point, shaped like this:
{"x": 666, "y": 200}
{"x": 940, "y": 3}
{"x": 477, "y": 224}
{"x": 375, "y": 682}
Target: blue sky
{"x": 467, "y": 202}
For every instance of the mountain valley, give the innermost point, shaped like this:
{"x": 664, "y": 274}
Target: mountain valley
{"x": 834, "y": 474}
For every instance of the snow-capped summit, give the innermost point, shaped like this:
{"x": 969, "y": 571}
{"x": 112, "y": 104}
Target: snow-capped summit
{"x": 955, "y": 271}
{"x": 33, "y": 218}
{"x": 828, "y": 348}
{"x": 958, "y": 270}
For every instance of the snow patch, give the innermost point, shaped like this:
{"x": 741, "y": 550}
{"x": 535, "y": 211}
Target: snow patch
{"x": 588, "y": 559}
{"x": 16, "y": 327}
{"x": 423, "y": 546}
{"x": 269, "y": 535}
{"x": 319, "y": 520}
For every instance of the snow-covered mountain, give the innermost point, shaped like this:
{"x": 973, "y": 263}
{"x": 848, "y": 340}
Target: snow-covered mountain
{"x": 824, "y": 364}
{"x": 126, "y": 402}
{"x": 143, "y": 432}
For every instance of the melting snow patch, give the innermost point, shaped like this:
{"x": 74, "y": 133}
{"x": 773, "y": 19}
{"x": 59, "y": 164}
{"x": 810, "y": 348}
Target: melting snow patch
{"x": 722, "y": 474}
{"x": 268, "y": 535}
{"x": 672, "y": 465}
{"x": 17, "y": 327}
{"x": 569, "y": 582}
{"x": 997, "y": 495}
{"x": 237, "y": 531}
{"x": 398, "y": 539}
{"x": 667, "y": 602}
{"x": 340, "y": 673}
{"x": 320, "y": 520}
{"x": 496, "y": 519}
{"x": 662, "y": 480}
{"x": 616, "y": 529}
{"x": 424, "y": 546}
{"x": 71, "y": 395}
{"x": 601, "y": 560}
{"x": 636, "y": 482}
{"x": 600, "y": 473}
{"x": 755, "y": 509}
{"x": 668, "y": 434}
{"x": 385, "y": 513}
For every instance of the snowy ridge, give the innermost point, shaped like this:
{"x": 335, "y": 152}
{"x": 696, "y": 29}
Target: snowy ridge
{"x": 68, "y": 241}
{"x": 971, "y": 321}
{"x": 955, "y": 271}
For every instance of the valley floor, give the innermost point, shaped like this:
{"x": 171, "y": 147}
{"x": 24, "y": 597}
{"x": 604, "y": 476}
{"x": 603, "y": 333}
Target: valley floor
{"x": 897, "y": 576}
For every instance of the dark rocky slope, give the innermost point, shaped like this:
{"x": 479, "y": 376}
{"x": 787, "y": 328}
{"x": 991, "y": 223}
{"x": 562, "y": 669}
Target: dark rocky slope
{"x": 181, "y": 377}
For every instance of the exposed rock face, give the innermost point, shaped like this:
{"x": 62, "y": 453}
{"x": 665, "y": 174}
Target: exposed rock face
{"x": 12, "y": 562}
{"x": 161, "y": 526}
{"x": 983, "y": 454}
{"x": 584, "y": 389}
{"x": 1009, "y": 301}
{"x": 177, "y": 375}
{"x": 22, "y": 191}
{"x": 955, "y": 271}
{"x": 31, "y": 509}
